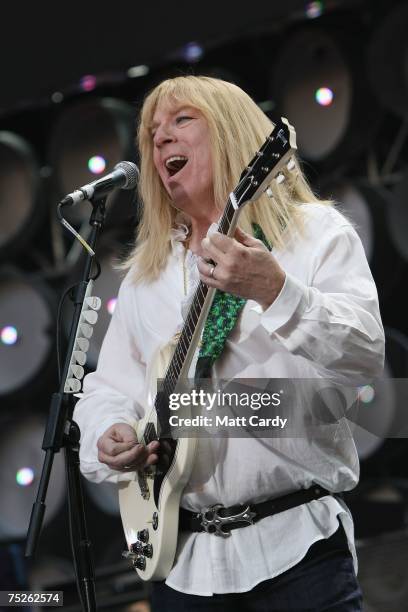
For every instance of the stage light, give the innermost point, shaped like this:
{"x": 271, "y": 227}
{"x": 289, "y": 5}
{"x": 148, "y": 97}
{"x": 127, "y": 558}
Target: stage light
{"x": 9, "y": 335}
{"x": 26, "y": 323}
{"x": 192, "y": 52}
{"x": 20, "y": 209}
{"x": 138, "y": 71}
{"x": 25, "y": 477}
{"x": 309, "y": 59}
{"x": 57, "y": 97}
{"x": 21, "y": 459}
{"x": 366, "y": 394}
{"x": 97, "y": 164}
{"x": 324, "y": 96}
{"x": 86, "y": 136}
{"x": 319, "y": 85}
{"x": 314, "y": 9}
{"x": 88, "y": 82}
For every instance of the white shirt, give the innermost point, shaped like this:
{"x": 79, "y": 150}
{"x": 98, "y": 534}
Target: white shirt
{"x": 325, "y": 323}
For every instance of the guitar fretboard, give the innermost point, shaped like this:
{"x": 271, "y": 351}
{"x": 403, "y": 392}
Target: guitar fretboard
{"x": 186, "y": 335}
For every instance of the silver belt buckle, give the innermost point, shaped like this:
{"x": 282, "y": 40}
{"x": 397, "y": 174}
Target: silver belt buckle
{"x": 213, "y": 523}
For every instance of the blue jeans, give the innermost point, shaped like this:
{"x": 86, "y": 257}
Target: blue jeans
{"x": 323, "y": 581}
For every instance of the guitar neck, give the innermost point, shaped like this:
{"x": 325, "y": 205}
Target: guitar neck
{"x": 197, "y": 314}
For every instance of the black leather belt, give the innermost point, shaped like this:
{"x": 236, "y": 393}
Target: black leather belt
{"x": 220, "y": 521}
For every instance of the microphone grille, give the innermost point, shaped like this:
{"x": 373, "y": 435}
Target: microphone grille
{"x": 131, "y": 172}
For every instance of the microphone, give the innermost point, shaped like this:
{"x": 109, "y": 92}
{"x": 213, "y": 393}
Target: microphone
{"x": 125, "y": 176}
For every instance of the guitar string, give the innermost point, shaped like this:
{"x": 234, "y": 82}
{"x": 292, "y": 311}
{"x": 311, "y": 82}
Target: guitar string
{"x": 201, "y": 293}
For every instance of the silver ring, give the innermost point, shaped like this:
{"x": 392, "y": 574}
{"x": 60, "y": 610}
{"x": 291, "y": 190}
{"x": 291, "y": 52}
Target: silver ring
{"x": 127, "y": 467}
{"x": 212, "y": 271}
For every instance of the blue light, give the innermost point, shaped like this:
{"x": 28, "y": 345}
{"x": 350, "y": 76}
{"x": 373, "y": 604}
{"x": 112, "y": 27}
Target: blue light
{"x": 192, "y": 52}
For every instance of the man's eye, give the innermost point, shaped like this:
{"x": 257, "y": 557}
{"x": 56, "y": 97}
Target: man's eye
{"x": 182, "y": 118}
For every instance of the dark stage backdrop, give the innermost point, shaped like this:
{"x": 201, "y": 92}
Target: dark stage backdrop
{"x": 47, "y": 46}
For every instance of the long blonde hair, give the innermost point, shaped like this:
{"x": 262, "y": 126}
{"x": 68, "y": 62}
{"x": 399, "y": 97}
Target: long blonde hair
{"x": 237, "y": 129}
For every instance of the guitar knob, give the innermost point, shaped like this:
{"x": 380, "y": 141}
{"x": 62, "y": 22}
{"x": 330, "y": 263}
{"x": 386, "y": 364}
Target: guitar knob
{"x": 137, "y": 548}
{"x": 143, "y": 535}
{"x": 148, "y": 551}
{"x": 140, "y": 563}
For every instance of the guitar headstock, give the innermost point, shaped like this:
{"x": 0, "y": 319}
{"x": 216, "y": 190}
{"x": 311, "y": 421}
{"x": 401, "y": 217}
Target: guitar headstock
{"x": 266, "y": 164}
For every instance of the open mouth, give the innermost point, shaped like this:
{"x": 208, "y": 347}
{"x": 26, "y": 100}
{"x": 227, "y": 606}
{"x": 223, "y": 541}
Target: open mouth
{"x": 175, "y": 163}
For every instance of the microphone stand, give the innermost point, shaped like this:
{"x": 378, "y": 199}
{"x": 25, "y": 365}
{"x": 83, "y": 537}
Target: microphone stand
{"x": 62, "y": 432}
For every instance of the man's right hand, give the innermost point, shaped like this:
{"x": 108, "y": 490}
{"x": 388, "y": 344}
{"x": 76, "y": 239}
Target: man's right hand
{"x": 119, "y": 449}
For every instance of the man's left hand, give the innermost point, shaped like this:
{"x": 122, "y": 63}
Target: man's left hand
{"x": 244, "y": 267}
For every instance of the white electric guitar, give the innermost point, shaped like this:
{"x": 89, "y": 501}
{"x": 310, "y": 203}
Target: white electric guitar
{"x": 149, "y": 503}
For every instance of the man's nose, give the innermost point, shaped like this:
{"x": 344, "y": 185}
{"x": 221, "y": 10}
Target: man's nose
{"x": 163, "y": 135}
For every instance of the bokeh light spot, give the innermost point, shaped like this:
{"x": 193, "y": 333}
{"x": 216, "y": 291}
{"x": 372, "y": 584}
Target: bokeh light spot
{"x": 324, "y": 96}
{"x": 96, "y": 164}
{"x": 9, "y": 335}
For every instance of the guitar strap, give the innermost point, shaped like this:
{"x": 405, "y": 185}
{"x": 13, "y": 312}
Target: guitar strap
{"x": 221, "y": 320}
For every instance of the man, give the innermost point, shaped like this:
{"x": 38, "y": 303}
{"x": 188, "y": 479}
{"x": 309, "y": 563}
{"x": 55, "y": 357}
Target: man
{"x": 311, "y": 311}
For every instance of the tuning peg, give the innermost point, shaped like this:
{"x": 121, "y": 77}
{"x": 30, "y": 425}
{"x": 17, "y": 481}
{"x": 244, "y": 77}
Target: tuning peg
{"x": 269, "y": 192}
{"x": 291, "y": 164}
{"x": 280, "y": 178}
